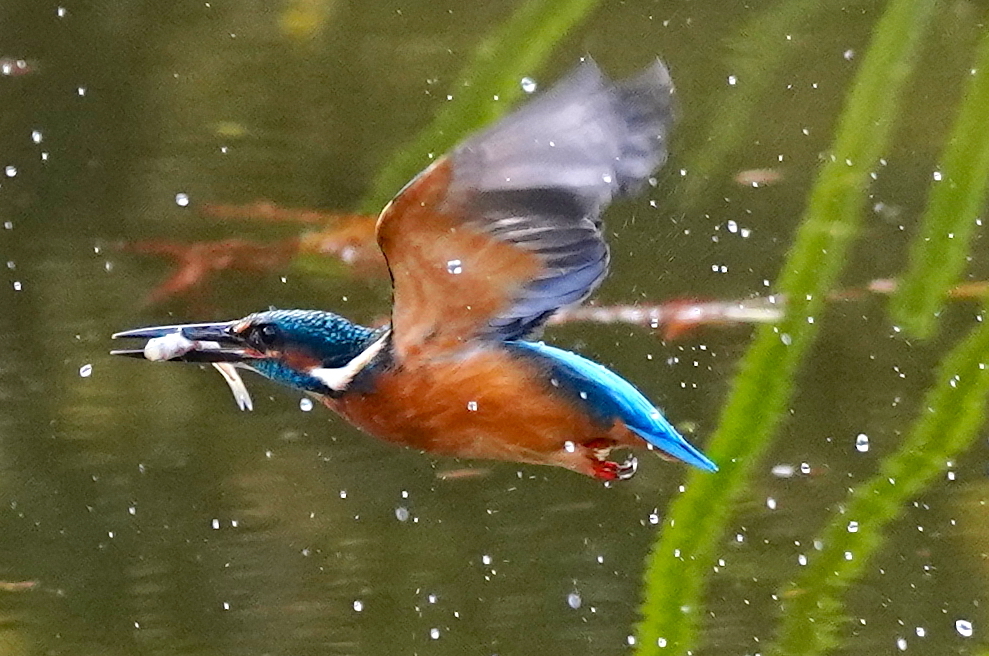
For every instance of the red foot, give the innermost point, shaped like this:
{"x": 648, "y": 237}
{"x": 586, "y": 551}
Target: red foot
{"x": 606, "y": 470}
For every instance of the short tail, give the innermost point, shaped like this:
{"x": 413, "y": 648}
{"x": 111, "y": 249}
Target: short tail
{"x": 667, "y": 439}
{"x": 608, "y": 396}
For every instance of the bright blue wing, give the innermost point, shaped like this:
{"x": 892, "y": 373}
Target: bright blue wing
{"x": 608, "y": 396}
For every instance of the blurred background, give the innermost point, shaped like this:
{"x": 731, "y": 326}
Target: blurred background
{"x": 141, "y": 512}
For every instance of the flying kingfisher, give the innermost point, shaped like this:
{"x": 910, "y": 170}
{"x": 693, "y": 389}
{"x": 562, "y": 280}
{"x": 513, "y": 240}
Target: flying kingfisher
{"x": 483, "y": 246}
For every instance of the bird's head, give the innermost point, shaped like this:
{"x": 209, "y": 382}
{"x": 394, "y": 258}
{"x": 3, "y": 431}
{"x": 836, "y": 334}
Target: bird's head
{"x": 310, "y": 350}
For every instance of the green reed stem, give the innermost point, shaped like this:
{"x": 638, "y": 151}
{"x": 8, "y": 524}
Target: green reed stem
{"x": 687, "y": 544}
{"x": 939, "y": 251}
{"x": 952, "y": 412}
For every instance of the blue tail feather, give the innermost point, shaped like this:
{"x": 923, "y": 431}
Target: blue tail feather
{"x": 609, "y": 396}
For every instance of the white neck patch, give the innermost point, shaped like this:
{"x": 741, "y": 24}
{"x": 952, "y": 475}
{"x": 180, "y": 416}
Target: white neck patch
{"x": 338, "y": 378}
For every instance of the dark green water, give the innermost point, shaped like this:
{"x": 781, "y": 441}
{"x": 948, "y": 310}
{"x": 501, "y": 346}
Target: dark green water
{"x": 151, "y": 516}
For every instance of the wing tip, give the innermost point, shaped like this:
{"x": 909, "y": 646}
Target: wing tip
{"x": 645, "y": 102}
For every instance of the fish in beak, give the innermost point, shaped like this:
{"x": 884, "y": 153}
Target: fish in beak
{"x": 213, "y": 343}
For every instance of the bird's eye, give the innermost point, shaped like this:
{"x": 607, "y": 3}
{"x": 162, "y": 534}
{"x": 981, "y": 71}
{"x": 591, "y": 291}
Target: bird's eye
{"x": 264, "y": 336}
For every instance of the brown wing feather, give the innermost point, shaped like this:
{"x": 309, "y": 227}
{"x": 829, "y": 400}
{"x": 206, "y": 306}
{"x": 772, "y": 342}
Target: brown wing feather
{"x": 449, "y": 279}
{"x": 500, "y": 233}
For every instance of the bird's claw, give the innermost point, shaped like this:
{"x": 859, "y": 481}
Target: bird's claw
{"x": 606, "y": 470}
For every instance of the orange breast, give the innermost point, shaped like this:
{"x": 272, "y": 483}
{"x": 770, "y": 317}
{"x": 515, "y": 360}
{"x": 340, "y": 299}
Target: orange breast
{"x": 482, "y": 404}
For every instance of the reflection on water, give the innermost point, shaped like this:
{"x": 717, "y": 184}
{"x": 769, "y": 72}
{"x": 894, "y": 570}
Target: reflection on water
{"x": 140, "y": 510}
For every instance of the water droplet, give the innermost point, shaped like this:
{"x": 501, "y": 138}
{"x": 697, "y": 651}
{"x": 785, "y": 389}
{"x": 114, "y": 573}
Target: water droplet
{"x": 11, "y": 171}
{"x": 486, "y": 559}
{"x": 805, "y": 468}
{"x": 36, "y": 136}
{"x": 802, "y": 560}
{"x": 771, "y": 503}
{"x": 964, "y": 628}
{"x": 472, "y": 406}
{"x": 937, "y": 176}
{"x": 86, "y": 370}
{"x": 61, "y": 12}
{"x": 358, "y": 605}
{"x": 573, "y": 600}
{"x": 782, "y": 471}
{"x": 901, "y": 644}
{"x": 853, "y": 527}
{"x": 181, "y": 199}
{"x": 434, "y": 633}
{"x": 528, "y": 84}
{"x": 921, "y": 632}
{"x": 653, "y": 518}
{"x": 732, "y": 80}
{"x": 215, "y": 524}
{"x": 455, "y": 267}
{"x": 569, "y": 446}
{"x": 305, "y": 404}
{"x": 849, "y": 54}
{"x": 660, "y": 642}
{"x": 81, "y": 91}
{"x": 402, "y": 514}
{"x": 17, "y": 286}
{"x": 862, "y": 443}
{"x": 786, "y": 339}
{"x": 732, "y": 227}
{"x": 431, "y": 598}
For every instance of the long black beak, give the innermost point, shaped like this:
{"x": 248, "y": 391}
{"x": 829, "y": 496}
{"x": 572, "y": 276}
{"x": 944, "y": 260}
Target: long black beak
{"x": 190, "y": 342}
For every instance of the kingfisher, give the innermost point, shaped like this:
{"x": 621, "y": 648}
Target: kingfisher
{"x": 482, "y": 247}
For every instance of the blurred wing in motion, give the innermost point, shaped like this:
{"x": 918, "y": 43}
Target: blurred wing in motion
{"x": 495, "y": 236}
